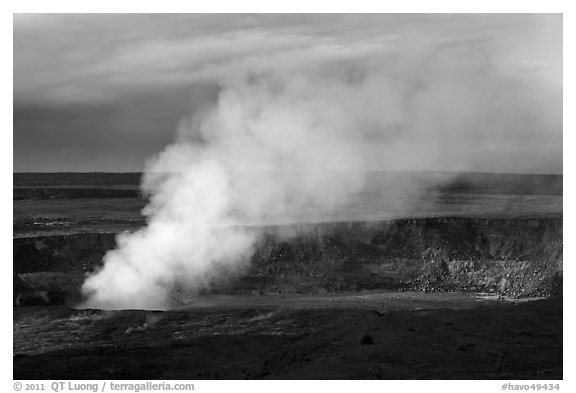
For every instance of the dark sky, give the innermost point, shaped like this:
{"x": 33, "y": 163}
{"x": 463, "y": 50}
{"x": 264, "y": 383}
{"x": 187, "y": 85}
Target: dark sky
{"x": 106, "y": 92}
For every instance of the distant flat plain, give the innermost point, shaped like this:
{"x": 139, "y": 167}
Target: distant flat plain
{"x": 98, "y": 202}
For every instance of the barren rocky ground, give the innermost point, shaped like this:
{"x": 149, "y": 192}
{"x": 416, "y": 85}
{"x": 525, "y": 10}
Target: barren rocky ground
{"x": 377, "y": 296}
{"x": 316, "y": 339}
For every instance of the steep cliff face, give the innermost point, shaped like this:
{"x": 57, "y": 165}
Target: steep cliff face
{"x": 518, "y": 257}
{"x": 464, "y": 238}
{"x": 63, "y": 253}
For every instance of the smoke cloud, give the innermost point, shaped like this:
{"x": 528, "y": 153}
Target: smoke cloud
{"x": 295, "y": 144}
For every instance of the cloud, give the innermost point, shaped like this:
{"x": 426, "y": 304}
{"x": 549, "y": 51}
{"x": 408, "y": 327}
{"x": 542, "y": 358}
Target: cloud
{"x": 502, "y": 63}
{"x": 71, "y": 58}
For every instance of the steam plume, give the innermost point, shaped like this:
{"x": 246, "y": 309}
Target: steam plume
{"x": 293, "y": 144}
{"x": 264, "y": 151}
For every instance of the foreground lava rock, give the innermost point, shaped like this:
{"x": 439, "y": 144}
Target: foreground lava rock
{"x": 494, "y": 340}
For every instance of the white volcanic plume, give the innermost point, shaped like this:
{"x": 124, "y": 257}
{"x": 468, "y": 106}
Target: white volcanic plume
{"x": 267, "y": 148}
{"x": 297, "y": 144}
